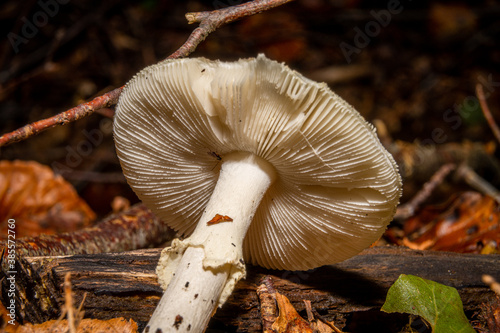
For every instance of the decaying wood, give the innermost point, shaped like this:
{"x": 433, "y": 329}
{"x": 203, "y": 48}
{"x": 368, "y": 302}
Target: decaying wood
{"x": 135, "y": 228}
{"x": 124, "y": 284}
{"x": 268, "y": 308}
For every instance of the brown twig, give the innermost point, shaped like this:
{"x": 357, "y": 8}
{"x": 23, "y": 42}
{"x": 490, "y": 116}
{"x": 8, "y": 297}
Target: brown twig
{"x": 487, "y": 112}
{"x": 477, "y": 182}
{"x": 209, "y": 22}
{"x": 408, "y": 209}
{"x": 212, "y": 20}
{"x": 63, "y": 118}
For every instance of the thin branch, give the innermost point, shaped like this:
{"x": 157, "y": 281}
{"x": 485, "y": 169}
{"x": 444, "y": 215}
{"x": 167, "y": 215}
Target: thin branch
{"x": 209, "y": 22}
{"x": 487, "y": 112}
{"x": 63, "y": 118}
{"x": 477, "y": 182}
{"x": 408, "y": 209}
{"x": 212, "y": 20}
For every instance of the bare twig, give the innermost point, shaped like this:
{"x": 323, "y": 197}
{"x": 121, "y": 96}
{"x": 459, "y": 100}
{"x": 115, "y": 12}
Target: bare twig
{"x": 487, "y": 112}
{"x": 408, "y": 209}
{"x": 212, "y": 20}
{"x": 209, "y": 22}
{"x": 477, "y": 182}
{"x": 63, "y": 118}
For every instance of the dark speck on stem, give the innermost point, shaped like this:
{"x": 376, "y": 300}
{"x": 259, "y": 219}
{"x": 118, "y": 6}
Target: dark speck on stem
{"x": 178, "y": 321}
{"x": 186, "y": 285}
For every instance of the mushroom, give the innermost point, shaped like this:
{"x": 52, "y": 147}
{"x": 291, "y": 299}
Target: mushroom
{"x": 250, "y": 161}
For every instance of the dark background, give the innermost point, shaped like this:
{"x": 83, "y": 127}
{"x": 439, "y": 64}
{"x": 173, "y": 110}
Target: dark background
{"x": 417, "y": 73}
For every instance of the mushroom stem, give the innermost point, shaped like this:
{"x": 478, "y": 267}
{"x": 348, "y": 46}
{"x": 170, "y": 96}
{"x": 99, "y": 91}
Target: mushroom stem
{"x": 202, "y": 270}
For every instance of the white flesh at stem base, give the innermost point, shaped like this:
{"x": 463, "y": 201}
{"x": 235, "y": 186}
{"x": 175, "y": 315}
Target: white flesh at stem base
{"x": 208, "y": 264}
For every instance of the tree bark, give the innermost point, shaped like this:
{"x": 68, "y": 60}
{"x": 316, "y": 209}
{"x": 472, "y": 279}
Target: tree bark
{"x": 125, "y": 284}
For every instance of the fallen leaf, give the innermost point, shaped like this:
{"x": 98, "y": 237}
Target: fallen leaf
{"x": 468, "y": 223}
{"x": 39, "y": 201}
{"x": 289, "y": 321}
{"x": 438, "y": 304}
{"x": 279, "y": 316}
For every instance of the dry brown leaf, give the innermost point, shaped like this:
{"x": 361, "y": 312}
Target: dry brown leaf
{"x": 279, "y": 316}
{"x": 289, "y": 321}
{"x": 39, "y": 201}
{"x": 469, "y": 223}
{"x": 86, "y": 326}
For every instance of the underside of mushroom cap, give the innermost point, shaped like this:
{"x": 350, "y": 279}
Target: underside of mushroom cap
{"x": 336, "y": 189}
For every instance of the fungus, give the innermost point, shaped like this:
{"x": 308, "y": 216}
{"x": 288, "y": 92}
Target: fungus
{"x": 248, "y": 160}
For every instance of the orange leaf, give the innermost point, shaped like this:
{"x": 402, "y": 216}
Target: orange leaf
{"x": 466, "y": 224}
{"x": 39, "y": 201}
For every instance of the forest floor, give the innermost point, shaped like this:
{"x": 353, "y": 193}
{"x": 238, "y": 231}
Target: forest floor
{"x": 410, "y": 67}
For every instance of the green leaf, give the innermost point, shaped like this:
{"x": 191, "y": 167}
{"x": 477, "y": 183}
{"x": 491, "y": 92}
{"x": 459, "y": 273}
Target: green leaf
{"x": 440, "y": 305}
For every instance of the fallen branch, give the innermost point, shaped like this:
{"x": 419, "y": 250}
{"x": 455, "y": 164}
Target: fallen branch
{"x": 132, "y": 229}
{"x": 209, "y": 22}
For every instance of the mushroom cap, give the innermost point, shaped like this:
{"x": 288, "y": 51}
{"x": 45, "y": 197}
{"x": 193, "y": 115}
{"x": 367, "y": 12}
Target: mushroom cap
{"x": 336, "y": 189}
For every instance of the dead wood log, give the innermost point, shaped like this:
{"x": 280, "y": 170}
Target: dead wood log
{"x": 124, "y": 284}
